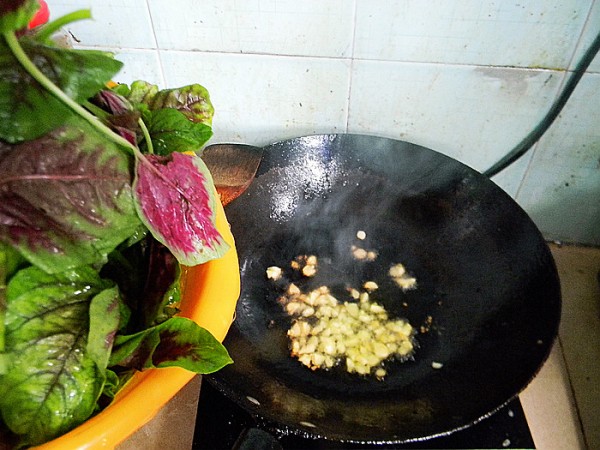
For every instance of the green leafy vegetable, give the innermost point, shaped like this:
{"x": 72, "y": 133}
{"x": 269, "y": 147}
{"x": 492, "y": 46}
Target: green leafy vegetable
{"x": 27, "y": 110}
{"x": 178, "y": 120}
{"x": 193, "y": 101}
{"x": 172, "y": 131}
{"x": 52, "y": 382}
{"x": 105, "y": 320}
{"x": 98, "y": 208}
{"x": 148, "y": 276}
{"x": 66, "y": 197}
{"x": 175, "y": 342}
{"x": 140, "y": 92}
{"x": 182, "y": 218}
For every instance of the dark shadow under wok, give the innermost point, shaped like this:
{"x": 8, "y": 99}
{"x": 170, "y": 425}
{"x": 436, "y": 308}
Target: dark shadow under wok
{"x": 485, "y": 278}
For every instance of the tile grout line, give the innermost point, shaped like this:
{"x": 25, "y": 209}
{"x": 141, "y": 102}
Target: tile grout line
{"x": 346, "y": 58}
{"x": 158, "y": 50}
{"x": 351, "y": 67}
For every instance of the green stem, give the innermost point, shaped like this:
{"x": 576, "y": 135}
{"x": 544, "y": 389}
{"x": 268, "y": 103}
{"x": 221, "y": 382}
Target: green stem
{"x": 146, "y": 134}
{"x": 96, "y": 110}
{"x": 46, "y": 31}
{"x": 23, "y": 59}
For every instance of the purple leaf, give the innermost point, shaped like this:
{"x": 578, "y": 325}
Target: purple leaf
{"x": 175, "y": 199}
{"x": 123, "y": 117}
{"x": 66, "y": 198}
{"x": 177, "y": 342}
{"x": 113, "y": 102}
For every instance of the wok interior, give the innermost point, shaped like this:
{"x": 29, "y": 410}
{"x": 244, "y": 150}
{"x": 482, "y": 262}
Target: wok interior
{"x": 485, "y": 277}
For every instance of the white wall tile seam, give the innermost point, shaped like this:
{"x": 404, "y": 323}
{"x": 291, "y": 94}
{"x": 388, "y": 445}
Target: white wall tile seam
{"x": 351, "y": 68}
{"x": 160, "y": 64}
{"x": 116, "y": 49}
{"x": 336, "y": 58}
{"x": 154, "y": 40}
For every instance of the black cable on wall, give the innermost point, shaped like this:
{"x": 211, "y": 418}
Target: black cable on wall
{"x": 522, "y": 147}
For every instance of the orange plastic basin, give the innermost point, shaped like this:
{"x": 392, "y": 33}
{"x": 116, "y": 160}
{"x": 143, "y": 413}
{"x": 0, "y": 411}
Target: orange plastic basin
{"x": 209, "y": 295}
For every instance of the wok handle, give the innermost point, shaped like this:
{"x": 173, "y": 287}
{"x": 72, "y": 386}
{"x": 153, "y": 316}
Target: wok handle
{"x": 256, "y": 439}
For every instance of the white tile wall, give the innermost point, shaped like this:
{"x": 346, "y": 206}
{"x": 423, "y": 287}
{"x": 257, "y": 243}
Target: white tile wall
{"x": 259, "y": 99}
{"x": 561, "y": 190}
{"x": 468, "y": 78}
{"x": 524, "y": 34}
{"x": 590, "y": 31}
{"x": 115, "y": 23}
{"x": 140, "y": 64}
{"x": 277, "y": 27}
{"x": 472, "y": 113}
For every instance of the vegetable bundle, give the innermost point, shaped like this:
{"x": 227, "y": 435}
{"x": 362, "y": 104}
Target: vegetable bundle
{"x": 102, "y": 198}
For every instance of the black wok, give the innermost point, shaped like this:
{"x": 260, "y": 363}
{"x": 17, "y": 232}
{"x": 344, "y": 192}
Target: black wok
{"x": 488, "y": 293}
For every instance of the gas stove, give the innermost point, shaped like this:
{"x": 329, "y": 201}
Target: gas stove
{"x": 220, "y": 422}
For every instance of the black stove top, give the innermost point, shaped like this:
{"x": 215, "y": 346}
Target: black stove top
{"x": 220, "y": 422}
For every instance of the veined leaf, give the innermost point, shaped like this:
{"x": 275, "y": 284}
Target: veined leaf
{"x": 171, "y": 131}
{"x": 139, "y": 92}
{"x": 27, "y": 110}
{"x": 66, "y": 198}
{"x": 122, "y": 117}
{"x": 53, "y": 383}
{"x": 177, "y": 342}
{"x": 178, "y": 120}
{"x": 10, "y": 260}
{"x": 105, "y": 320}
{"x": 193, "y": 101}
{"x": 175, "y": 198}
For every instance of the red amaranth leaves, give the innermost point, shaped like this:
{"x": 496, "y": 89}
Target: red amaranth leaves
{"x": 66, "y": 198}
{"x": 175, "y": 199}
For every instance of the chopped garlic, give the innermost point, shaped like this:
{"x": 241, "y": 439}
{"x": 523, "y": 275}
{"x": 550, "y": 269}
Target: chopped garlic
{"x": 359, "y": 253}
{"x": 361, "y": 235}
{"x": 293, "y": 289}
{"x": 406, "y": 283}
{"x": 358, "y": 333}
{"x": 354, "y": 293}
{"x": 370, "y": 285}
{"x": 402, "y": 278}
{"x": 274, "y": 273}
{"x": 397, "y": 270}
{"x": 309, "y": 270}
{"x": 371, "y": 255}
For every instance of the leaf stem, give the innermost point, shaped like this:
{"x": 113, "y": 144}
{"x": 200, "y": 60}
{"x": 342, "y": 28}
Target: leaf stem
{"x": 147, "y": 137}
{"x": 23, "y": 59}
{"x": 46, "y": 31}
{"x": 96, "y": 110}
{"x": 15, "y": 47}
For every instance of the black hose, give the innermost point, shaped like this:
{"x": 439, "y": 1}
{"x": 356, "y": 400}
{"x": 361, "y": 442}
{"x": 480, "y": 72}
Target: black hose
{"x": 521, "y": 148}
